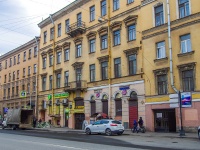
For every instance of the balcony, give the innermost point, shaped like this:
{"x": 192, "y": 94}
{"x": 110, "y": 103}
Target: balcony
{"x": 76, "y": 28}
{"x": 76, "y": 85}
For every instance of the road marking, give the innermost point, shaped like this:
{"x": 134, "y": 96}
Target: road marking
{"x": 61, "y": 146}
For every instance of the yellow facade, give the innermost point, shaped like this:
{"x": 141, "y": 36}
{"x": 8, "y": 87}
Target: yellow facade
{"x": 13, "y": 80}
{"x": 120, "y": 19}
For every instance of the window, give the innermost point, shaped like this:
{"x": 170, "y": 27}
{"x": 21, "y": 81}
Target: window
{"x": 104, "y": 70}
{"x": 93, "y": 107}
{"x": 50, "y": 60}
{"x": 29, "y": 53}
{"x": 116, "y": 36}
{"x": 131, "y": 33}
{"x": 159, "y": 17}
{"x": 5, "y": 78}
{"x": 92, "y": 73}
{"x": 29, "y": 70}
{"x": 117, "y": 67}
{"x": 24, "y": 56}
{"x": 8, "y": 92}
{"x": 10, "y": 62}
{"x": 103, "y": 8}
{"x": 18, "y": 61}
{"x": 51, "y": 33}
{"x": 9, "y": 77}
{"x": 132, "y": 64}
{"x": 188, "y": 80}
{"x": 79, "y": 19}
{"x": 44, "y": 60}
{"x": 66, "y": 54}
{"x": 50, "y": 82}
{"x": 28, "y": 88}
{"x": 43, "y": 83}
{"x": 14, "y": 63}
{"x": 186, "y": 43}
{"x": 59, "y": 29}
{"x": 34, "y": 86}
{"x": 4, "y": 93}
{"x": 115, "y": 4}
{"x": 92, "y": 13}
{"x": 78, "y": 50}
{"x": 6, "y": 63}
{"x": 118, "y": 107}
{"x": 13, "y": 75}
{"x": 35, "y": 51}
{"x": 104, "y": 42}
{"x": 160, "y": 50}
{"x": 58, "y": 78}
{"x": 67, "y": 25}
{"x": 17, "y": 90}
{"x": 66, "y": 78}
{"x": 92, "y": 45}
{"x": 34, "y": 68}
{"x": 24, "y": 72}
{"x": 17, "y": 74}
{"x": 130, "y": 1}
{"x": 45, "y": 36}
{"x": 184, "y": 8}
{"x": 162, "y": 84}
{"x": 58, "y": 57}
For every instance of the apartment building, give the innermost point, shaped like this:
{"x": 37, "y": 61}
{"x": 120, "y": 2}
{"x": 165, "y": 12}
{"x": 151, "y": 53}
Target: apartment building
{"x": 91, "y": 61}
{"x": 162, "y": 80}
{"x": 18, "y": 70}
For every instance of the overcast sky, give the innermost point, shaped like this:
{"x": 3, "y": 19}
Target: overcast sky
{"x": 19, "y": 19}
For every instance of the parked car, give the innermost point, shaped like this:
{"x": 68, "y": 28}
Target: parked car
{"x": 105, "y": 126}
{"x": 199, "y": 132}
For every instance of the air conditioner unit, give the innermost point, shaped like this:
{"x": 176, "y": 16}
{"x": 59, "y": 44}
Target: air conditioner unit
{"x": 100, "y": 19}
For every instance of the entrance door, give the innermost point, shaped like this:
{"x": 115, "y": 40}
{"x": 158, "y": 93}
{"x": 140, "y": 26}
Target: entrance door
{"x": 165, "y": 120}
{"x": 133, "y": 112}
{"x": 79, "y": 118}
{"x": 66, "y": 119}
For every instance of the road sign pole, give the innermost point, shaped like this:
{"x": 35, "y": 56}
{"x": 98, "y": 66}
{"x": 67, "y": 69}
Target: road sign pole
{"x": 181, "y": 132}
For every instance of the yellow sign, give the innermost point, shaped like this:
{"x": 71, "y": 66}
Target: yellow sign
{"x": 79, "y": 107}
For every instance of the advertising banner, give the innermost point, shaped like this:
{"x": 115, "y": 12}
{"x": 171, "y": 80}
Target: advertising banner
{"x": 186, "y": 99}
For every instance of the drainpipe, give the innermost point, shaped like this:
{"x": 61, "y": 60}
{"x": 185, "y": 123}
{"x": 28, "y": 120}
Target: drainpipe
{"x": 170, "y": 49}
{"x": 36, "y": 84}
{"x": 109, "y": 63}
{"x": 53, "y": 64}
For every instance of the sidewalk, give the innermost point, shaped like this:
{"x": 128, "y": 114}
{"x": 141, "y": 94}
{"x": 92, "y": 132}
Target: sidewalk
{"x": 126, "y": 132}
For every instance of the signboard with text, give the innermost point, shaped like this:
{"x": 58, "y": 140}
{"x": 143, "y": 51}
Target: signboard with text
{"x": 186, "y": 99}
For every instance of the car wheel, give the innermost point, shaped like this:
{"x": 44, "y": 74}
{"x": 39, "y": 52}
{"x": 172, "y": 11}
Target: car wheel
{"x": 119, "y": 133}
{"x": 108, "y": 132}
{"x": 199, "y": 134}
{"x": 14, "y": 127}
{"x": 87, "y": 131}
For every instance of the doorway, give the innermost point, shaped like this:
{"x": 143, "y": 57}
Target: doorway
{"x": 165, "y": 120}
{"x": 79, "y": 118}
{"x": 133, "y": 108}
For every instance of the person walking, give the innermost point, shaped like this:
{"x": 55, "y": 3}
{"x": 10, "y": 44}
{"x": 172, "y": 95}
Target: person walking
{"x": 135, "y": 124}
{"x": 34, "y": 121}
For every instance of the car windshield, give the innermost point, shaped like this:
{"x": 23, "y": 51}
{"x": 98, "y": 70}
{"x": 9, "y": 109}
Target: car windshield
{"x": 116, "y": 122}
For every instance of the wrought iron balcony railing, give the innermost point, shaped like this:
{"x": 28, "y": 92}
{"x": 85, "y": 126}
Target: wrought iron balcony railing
{"x": 76, "y": 85}
{"x": 76, "y": 28}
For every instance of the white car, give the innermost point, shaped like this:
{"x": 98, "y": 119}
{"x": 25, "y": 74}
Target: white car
{"x": 106, "y": 126}
{"x": 199, "y": 132}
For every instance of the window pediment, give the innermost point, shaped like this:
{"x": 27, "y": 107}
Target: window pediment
{"x": 103, "y": 58}
{"x": 44, "y": 53}
{"x": 58, "y": 70}
{"x": 78, "y": 40}
{"x": 58, "y": 47}
{"x": 116, "y": 25}
{"x": 161, "y": 71}
{"x": 131, "y": 51}
{"x": 91, "y": 34}
{"x": 66, "y": 44}
{"x": 50, "y": 51}
{"x": 130, "y": 19}
{"x": 188, "y": 66}
{"x": 77, "y": 65}
{"x": 102, "y": 30}
{"x": 44, "y": 74}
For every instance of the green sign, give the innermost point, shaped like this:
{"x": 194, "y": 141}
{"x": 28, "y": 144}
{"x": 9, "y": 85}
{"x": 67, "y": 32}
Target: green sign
{"x": 59, "y": 95}
{"x": 22, "y": 94}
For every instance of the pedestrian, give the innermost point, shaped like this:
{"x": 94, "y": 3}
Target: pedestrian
{"x": 140, "y": 122}
{"x": 135, "y": 124}
{"x": 34, "y": 121}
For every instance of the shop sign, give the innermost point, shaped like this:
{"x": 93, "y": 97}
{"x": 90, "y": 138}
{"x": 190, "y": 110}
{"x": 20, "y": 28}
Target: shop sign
{"x": 79, "y": 107}
{"x": 124, "y": 88}
{"x": 59, "y": 95}
{"x": 186, "y": 99}
{"x": 97, "y": 95}
{"x": 124, "y": 92}
{"x": 22, "y": 94}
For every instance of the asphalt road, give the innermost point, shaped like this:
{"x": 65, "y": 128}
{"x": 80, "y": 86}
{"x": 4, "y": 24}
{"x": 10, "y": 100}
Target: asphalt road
{"x": 43, "y": 140}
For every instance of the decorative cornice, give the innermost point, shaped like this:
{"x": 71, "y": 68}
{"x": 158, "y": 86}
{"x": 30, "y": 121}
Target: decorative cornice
{"x": 77, "y": 65}
{"x": 44, "y": 53}
{"x": 58, "y": 70}
{"x": 66, "y": 44}
{"x": 130, "y": 18}
{"x": 161, "y": 71}
{"x": 102, "y": 29}
{"x": 91, "y": 34}
{"x": 78, "y": 40}
{"x": 58, "y": 47}
{"x": 131, "y": 51}
{"x": 50, "y": 51}
{"x": 146, "y": 2}
{"x": 116, "y": 24}
{"x": 188, "y": 66}
{"x": 103, "y": 58}
{"x": 43, "y": 74}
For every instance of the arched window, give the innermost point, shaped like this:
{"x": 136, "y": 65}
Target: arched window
{"x": 118, "y": 105}
{"x": 105, "y": 104}
{"x": 92, "y": 105}
{"x": 133, "y": 95}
